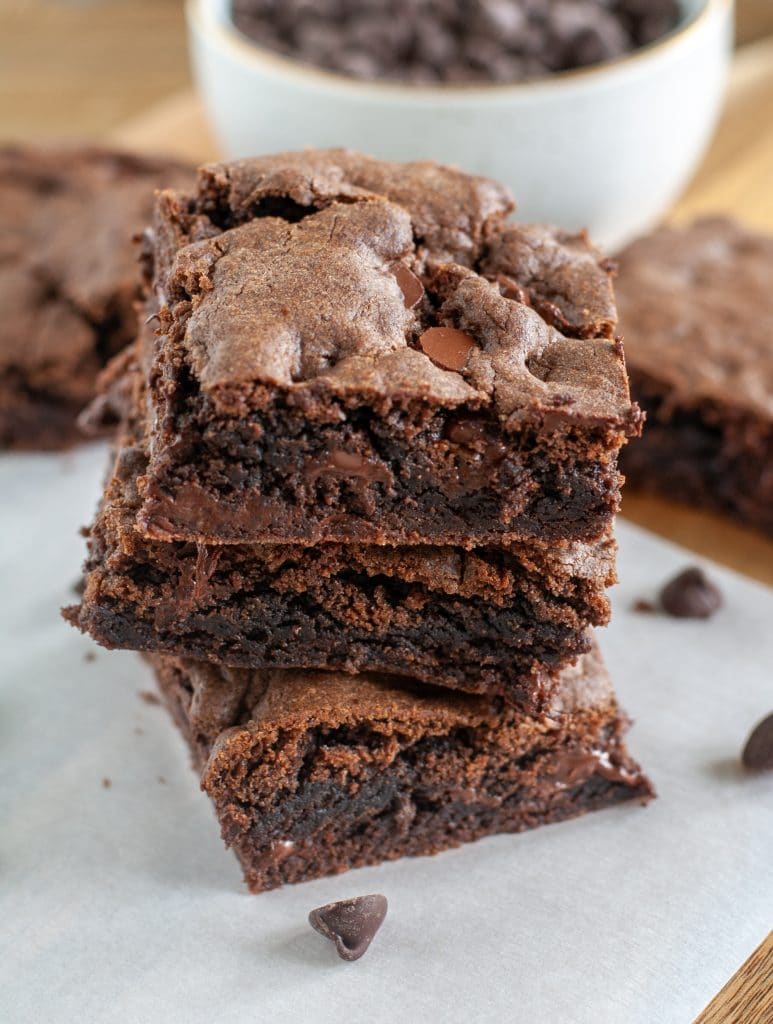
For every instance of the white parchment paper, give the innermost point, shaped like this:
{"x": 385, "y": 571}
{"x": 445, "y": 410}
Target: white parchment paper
{"x": 120, "y": 903}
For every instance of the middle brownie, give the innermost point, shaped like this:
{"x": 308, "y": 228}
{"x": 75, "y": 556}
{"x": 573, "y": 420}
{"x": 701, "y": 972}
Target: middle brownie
{"x": 496, "y": 619}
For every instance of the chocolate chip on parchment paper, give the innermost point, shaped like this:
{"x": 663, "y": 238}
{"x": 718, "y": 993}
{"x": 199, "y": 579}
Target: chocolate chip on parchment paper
{"x": 758, "y": 752}
{"x": 691, "y": 595}
{"x": 350, "y": 924}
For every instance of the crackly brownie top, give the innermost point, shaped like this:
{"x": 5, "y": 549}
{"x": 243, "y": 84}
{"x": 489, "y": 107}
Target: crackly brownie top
{"x": 696, "y": 307}
{"x": 397, "y": 281}
{"x": 224, "y": 698}
{"x": 68, "y": 268}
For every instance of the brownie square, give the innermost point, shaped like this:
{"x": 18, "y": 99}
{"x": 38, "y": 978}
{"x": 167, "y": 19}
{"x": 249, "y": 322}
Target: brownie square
{"x": 312, "y": 775}
{"x": 493, "y": 619}
{"x": 696, "y": 308}
{"x": 68, "y": 279}
{"x": 357, "y": 351}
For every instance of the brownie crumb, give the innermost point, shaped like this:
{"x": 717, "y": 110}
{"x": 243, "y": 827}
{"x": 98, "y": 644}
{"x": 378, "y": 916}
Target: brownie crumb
{"x": 106, "y": 783}
{"x": 90, "y": 656}
{"x": 162, "y": 780}
{"x": 644, "y": 607}
{"x": 149, "y": 697}
{"x": 138, "y": 731}
{"x": 758, "y": 753}
{"x": 350, "y": 924}
{"x": 691, "y": 595}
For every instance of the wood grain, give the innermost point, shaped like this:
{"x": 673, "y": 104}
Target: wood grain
{"x": 748, "y": 997}
{"x": 737, "y": 174}
{"x": 74, "y": 69}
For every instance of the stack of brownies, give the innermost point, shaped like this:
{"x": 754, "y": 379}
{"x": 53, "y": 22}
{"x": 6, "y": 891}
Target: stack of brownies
{"x": 360, "y": 514}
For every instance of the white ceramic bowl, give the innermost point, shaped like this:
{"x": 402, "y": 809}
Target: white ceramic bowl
{"x": 608, "y": 147}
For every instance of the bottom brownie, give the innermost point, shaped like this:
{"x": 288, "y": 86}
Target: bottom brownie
{"x": 314, "y": 773}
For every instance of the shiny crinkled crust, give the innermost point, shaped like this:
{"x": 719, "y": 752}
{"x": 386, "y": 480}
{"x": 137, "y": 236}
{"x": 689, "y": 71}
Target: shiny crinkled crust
{"x": 283, "y": 274}
{"x": 314, "y": 773}
{"x": 321, "y": 312}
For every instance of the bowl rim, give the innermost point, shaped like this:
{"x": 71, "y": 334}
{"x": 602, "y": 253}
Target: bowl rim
{"x": 229, "y": 37}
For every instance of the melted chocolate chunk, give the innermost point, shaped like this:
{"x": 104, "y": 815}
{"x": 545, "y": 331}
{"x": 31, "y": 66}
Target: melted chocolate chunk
{"x": 574, "y": 767}
{"x": 691, "y": 595}
{"x": 350, "y": 924}
{"x": 339, "y": 463}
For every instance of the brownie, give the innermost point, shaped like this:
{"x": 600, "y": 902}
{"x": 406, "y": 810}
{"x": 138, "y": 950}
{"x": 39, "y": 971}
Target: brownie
{"x": 356, "y": 351}
{"x": 454, "y": 41}
{"x": 491, "y": 619}
{"x": 697, "y": 312}
{"x": 68, "y": 279}
{"x": 311, "y": 775}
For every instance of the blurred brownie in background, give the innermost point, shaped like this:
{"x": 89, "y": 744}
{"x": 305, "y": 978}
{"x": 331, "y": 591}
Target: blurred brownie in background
{"x": 68, "y": 279}
{"x": 696, "y": 313}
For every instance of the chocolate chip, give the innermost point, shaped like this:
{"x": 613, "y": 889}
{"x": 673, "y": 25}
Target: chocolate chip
{"x": 691, "y": 595}
{"x": 350, "y": 924}
{"x": 339, "y": 463}
{"x": 410, "y": 285}
{"x": 573, "y": 767}
{"x": 468, "y": 432}
{"x": 510, "y": 289}
{"x": 758, "y": 752}
{"x": 435, "y": 41}
{"x": 447, "y": 347}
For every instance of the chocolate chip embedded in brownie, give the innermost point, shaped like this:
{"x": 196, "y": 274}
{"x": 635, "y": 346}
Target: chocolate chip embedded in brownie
{"x": 312, "y": 774}
{"x": 697, "y": 315}
{"x": 357, "y": 351}
{"x": 68, "y": 279}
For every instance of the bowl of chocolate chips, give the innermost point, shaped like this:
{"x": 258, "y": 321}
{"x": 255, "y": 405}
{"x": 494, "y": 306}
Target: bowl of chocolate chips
{"x": 594, "y": 112}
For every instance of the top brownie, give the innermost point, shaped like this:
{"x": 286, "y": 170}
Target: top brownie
{"x": 68, "y": 278}
{"x": 355, "y": 350}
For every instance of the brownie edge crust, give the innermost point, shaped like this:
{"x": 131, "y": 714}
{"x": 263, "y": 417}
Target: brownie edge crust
{"x": 312, "y": 776}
